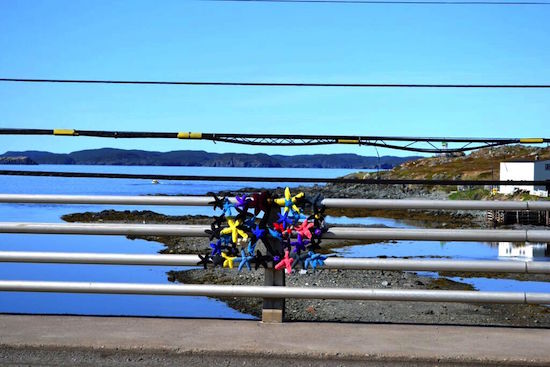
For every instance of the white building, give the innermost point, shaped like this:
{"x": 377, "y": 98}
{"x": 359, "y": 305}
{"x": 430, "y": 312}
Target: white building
{"x": 525, "y": 170}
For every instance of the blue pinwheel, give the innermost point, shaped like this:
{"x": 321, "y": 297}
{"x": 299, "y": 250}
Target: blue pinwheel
{"x": 250, "y": 222}
{"x": 258, "y": 232}
{"x": 245, "y": 261}
{"x": 275, "y": 234}
{"x": 251, "y": 247}
{"x": 228, "y": 208}
{"x": 226, "y": 239}
{"x": 216, "y": 248}
{"x": 242, "y": 202}
{"x": 299, "y": 244}
{"x": 314, "y": 260}
{"x": 295, "y": 217}
{"x": 284, "y": 219}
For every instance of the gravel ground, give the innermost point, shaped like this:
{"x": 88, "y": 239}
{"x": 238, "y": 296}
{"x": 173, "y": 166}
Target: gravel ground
{"x": 371, "y": 311}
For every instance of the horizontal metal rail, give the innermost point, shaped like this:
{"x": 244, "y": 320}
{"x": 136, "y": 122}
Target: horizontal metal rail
{"x": 278, "y": 292}
{"x": 330, "y": 203}
{"x": 330, "y": 263}
{"x": 264, "y": 179}
{"x": 347, "y": 233}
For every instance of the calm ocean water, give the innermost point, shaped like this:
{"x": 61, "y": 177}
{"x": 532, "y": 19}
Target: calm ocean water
{"x": 110, "y": 304}
{"x": 166, "y": 305}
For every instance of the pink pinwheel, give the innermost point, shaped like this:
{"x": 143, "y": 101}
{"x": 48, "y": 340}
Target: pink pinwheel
{"x": 286, "y": 262}
{"x": 303, "y": 229}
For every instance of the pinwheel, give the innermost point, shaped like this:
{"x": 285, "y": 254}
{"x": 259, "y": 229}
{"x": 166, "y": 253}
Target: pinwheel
{"x": 215, "y": 227}
{"x": 242, "y": 202}
{"x": 226, "y": 239}
{"x": 304, "y": 229}
{"x": 245, "y": 260}
{"x": 299, "y": 259}
{"x": 251, "y": 247}
{"x": 234, "y": 230}
{"x": 260, "y": 202}
{"x": 314, "y": 260}
{"x": 289, "y": 201}
{"x": 228, "y": 262}
{"x": 316, "y": 202}
{"x": 204, "y": 260}
{"x": 261, "y": 260}
{"x": 216, "y": 248}
{"x": 218, "y": 202}
{"x": 279, "y": 227}
{"x": 295, "y": 218}
{"x": 284, "y": 220}
{"x": 316, "y": 237}
{"x": 275, "y": 234}
{"x": 213, "y": 233}
{"x": 238, "y": 235}
{"x": 285, "y": 244}
{"x": 286, "y": 262}
{"x": 258, "y": 232}
{"x": 299, "y": 244}
{"x": 228, "y": 208}
{"x": 218, "y": 221}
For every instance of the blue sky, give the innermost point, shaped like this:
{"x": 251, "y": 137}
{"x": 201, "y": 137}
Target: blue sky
{"x": 213, "y": 41}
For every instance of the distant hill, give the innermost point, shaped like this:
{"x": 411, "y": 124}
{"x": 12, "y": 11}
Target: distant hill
{"x": 482, "y": 164}
{"x": 111, "y": 156}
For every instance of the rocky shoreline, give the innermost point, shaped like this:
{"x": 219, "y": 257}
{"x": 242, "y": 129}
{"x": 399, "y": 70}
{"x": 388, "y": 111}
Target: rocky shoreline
{"x": 422, "y": 218}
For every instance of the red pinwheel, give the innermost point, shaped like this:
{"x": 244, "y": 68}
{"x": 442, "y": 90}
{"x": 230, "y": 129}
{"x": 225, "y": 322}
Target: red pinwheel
{"x": 304, "y": 229}
{"x": 279, "y": 227}
{"x": 260, "y": 202}
{"x": 286, "y": 262}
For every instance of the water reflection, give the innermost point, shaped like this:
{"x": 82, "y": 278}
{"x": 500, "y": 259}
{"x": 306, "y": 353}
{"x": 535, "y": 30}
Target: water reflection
{"x": 524, "y": 250}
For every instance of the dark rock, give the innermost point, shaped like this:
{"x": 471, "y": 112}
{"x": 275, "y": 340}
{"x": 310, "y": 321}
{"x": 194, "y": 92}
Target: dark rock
{"x": 17, "y": 160}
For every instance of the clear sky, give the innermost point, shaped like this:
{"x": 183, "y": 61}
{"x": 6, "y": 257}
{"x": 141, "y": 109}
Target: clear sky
{"x": 216, "y": 41}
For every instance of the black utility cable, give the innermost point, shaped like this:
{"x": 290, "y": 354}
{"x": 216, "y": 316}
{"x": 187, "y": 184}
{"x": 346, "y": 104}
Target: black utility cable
{"x": 388, "y": 2}
{"x": 269, "y": 179}
{"x": 272, "y": 84}
{"x": 294, "y": 139}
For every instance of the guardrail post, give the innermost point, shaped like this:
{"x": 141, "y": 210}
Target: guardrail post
{"x": 273, "y": 309}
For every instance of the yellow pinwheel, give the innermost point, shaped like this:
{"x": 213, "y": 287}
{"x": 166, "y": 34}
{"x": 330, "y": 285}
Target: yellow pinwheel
{"x": 289, "y": 201}
{"x": 228, "y": 263}
{"x": 234, "y": 230}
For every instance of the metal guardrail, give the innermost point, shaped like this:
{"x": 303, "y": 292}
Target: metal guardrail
{"x": 528, "y": 267}
{"x": 346, "y": 233}
{"x": 274, "y": 289}
{"x": 278, "y": 292}
{"x": 328, "y": 202}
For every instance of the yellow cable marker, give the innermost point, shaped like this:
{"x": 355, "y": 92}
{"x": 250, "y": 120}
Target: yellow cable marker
{"x": 348, "y": 141}
{"x": 189, "y": 135}
{"x": 531, "y": 140}
{"x": 70, "y": 132}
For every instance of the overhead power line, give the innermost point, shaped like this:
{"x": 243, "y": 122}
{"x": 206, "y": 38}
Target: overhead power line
{"x": 274, "y": 84}
{"x": 389, "y": 2}
{"x": 413, "y": 144}
{"x": 264, "y": 179}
